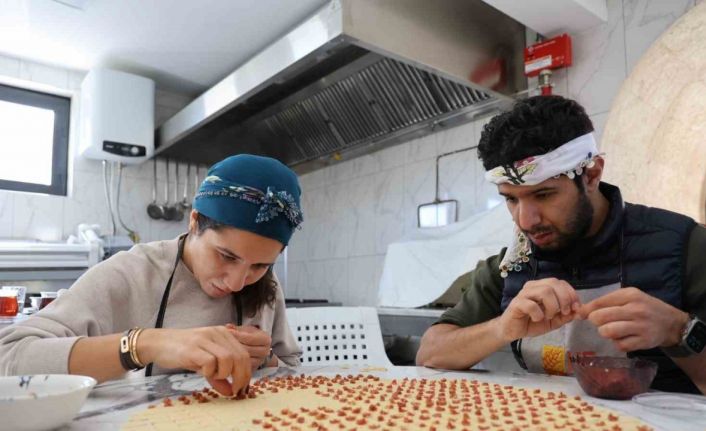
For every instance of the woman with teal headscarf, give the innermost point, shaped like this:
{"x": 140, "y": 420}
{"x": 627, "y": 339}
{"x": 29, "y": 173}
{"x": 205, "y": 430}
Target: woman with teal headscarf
{"x": 207, "y": 301}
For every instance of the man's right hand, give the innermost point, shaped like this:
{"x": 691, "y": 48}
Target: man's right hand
{"x": 540, "y": 307}
{"x": 211, "y": 351}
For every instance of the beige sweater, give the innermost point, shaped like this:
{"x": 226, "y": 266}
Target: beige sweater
{"x": 123, "y": 292}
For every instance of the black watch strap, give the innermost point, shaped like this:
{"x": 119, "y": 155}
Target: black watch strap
{"x": 126, "y": 353}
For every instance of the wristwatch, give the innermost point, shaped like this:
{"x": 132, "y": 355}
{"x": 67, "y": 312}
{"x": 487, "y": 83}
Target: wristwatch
{"x": 693, "y": 339}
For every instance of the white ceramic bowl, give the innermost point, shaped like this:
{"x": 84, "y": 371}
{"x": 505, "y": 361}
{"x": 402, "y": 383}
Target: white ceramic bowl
{"x": 41, "y": 402}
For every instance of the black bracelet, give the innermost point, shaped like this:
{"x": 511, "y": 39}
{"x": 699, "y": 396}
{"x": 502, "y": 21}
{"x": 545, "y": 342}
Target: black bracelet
{"x": 125, "y": 354}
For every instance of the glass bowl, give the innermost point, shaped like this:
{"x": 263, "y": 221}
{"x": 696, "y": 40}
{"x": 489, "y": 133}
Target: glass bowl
{"x": 614, "y": 378}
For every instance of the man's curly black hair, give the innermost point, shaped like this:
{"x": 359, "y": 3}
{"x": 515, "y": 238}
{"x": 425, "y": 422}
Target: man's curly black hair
{"x": 534, "y": 126}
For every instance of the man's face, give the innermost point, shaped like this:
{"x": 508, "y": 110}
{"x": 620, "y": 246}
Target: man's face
{"x": 553, "y": 214}
{"x": 228, "y": 259}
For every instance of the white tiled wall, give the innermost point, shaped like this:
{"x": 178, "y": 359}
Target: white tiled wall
{"x": 54, "y": 218}
{"x": 353, "y": 210}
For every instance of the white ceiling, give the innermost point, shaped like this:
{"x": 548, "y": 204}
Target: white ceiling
{"x": 185, "y": 45}
{"x": 551, "y": 17}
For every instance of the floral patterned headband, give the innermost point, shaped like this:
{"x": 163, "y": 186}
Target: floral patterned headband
{"x": 272, "y": 202}
{"x": 569, "y": 159}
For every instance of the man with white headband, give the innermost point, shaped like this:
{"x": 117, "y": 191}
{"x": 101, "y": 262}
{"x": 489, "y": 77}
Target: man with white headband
{"x": 586, "y": 273}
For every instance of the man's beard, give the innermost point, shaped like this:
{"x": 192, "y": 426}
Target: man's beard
{"x": 576, "y": 228}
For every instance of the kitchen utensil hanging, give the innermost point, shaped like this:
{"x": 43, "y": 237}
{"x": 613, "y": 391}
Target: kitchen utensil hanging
{"x": 178, "y": 210}
{"x": 185, "y": 202}
{"x": 169, "y": 210}
{"x": 154, "y": 210}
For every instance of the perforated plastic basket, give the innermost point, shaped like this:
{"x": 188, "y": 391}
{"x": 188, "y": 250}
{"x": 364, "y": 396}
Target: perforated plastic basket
{"x": 338, "y": 335}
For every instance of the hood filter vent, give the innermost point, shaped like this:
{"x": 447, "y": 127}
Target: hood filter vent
{"x": 377, "y": 100}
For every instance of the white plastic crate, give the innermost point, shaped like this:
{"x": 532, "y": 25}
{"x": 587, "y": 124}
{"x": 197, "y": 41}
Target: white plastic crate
{"x": 338, "y": 335}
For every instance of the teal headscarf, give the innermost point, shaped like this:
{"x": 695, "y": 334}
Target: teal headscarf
{"x": 257, "y": 194}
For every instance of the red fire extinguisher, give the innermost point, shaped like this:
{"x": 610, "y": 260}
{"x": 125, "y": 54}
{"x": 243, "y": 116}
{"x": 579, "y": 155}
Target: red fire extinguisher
{"x": 541, "y": 58}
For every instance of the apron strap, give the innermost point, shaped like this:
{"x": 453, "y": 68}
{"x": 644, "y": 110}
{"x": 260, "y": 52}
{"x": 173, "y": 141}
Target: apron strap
{"x": 238, "y": 309}
{"x": 165, "y": 296}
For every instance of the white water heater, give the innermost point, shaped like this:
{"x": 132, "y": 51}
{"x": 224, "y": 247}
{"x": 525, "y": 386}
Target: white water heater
{"x": 117, "y": 117}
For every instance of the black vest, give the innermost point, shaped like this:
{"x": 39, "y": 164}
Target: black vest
{"x": 637, "y": 246}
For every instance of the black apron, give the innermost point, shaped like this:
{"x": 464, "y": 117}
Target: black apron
{"x": 165, "y": 299}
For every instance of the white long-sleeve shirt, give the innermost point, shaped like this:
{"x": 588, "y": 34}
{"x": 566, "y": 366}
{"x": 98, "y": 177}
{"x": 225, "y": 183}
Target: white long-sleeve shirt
{"x": 123, "y": 292}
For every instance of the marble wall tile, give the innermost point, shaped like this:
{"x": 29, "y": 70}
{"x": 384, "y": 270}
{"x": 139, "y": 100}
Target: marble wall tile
{"x": 645, "y": 21}
{"x": 6, "y": 213}
{"x": 454, "y": 172}
{"x": 478, "y": 126}
{"x": 599, "y": 121}
{"x": 336, "y": 279}
{"x": 456, "y": 138}
{"x": 85, "y": 165}
{"x": 278, "y": 269}
{"x": 338, "y": 223}
{"x": 314, "y": 179}
{"x": 599, "y": 69}
{"x": 301, "y": 279}
{"x": 86, "y": 203}
{"x": 319, "y": 217}
{"x": 362, "y": 195}
{"x": 362, "y": 280}
{"x": 389, "y": 209}
{"x": 161, "y": 230}
{"x": 292, "y": 287}
{"x": 392, "y": 157}
{"x": 135, "y": 196}
{"x": 365, "y": 165}
{"x": 312, "y": 281}
{"x": 340, "y": 172}
{"x": 421, "y": 149}
{"x": 37, "y": 216}
{"x": 379, "y": 266}
{"x": 419, "y": 188}
{"x": 298, "y": 244}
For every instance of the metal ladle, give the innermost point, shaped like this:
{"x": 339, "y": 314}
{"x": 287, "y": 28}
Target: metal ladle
{"x": 178, "y": 210}
{"x": 169, "y": 211}
{"x": 185, "y": 204}
{"x": 154, "y": 210}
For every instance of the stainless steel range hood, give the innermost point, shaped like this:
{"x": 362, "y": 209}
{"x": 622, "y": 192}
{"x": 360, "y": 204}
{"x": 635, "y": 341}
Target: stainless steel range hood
{"x": 356, "y": 76}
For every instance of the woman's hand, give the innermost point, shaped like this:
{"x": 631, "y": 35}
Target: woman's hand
{"x": 256, "y": 341}
{"x": 214, "y": 352}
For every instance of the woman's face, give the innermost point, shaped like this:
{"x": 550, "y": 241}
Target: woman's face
{"x": 228, "y": 259}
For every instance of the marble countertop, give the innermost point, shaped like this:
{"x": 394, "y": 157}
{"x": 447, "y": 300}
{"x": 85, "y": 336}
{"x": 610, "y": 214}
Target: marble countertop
{"x": 416, "y": 312}
{"x": 111, "y": 404}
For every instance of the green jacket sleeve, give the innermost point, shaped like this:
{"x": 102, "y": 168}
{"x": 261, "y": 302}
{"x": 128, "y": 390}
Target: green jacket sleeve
{"x": 695, "y": 288}
{"x": 482, "y": 290}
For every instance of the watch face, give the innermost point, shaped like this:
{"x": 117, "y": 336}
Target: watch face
{"x": 696, "y": 340}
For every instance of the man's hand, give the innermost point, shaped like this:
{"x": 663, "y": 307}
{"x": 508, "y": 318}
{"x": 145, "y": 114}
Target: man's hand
{"x": 540, "y": 307}
{"x": 635, "y": 320}
{"x": 211, "y": 351}
{"x": 256, "y": 342}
